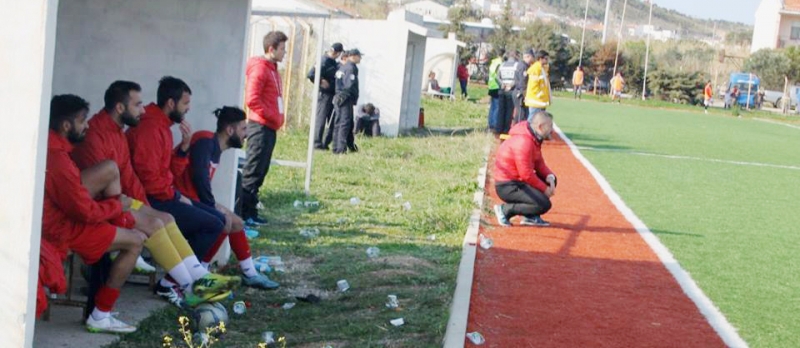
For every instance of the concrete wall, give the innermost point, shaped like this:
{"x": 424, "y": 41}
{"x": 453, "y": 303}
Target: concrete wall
{"x": 765, "y": 31}
{"x": 785, "y": 30}
{"x": 27, "y": 43}
{"x": 428, "y": 8}
{"x": 381, "y": 72}
{"x": 415, "y": 53}
{"x": 199, "y": 41}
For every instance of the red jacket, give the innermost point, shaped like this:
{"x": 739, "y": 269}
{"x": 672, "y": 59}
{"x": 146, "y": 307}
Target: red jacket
{"x": 105, "y": 140}
{"x": 67, "y": 203}
{"x": 152, "y": 156}
{"x": 520, "y": 159}
{"x": 263, "y": 94}
{"x": 462, "y": 73}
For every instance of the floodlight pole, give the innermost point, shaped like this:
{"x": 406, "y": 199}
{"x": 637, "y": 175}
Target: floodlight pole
{"x": 314, "y": 102}
{"x": 647, "y": 52}
{"x": 583, "y": 34}
{"x": 619, "y": 37}
{"x": 605, "y": 20}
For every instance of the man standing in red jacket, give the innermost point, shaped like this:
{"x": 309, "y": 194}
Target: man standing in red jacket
{"x": 106, "y": 141}
{"x": 73, "y": 220}
{"x": 521, "y": 177}
{"x": 463, "y": 77}
{"x": 156, "y": 164}
{"x": 264, "y": 98}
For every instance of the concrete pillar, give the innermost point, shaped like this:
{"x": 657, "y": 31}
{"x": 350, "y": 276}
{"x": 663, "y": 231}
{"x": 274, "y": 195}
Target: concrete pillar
{"x": 26, "y": 69}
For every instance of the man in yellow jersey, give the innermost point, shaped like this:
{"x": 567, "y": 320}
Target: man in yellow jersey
{"x": 537, "y": 96}
{"x": 577, "y": 82}
{"x": 617, "y": 84}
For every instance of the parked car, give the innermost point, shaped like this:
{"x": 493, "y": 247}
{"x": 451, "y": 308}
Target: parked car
{"x": 776, "y": 97}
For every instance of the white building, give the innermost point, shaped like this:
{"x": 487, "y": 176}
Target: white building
{"x": 777, "y": 24}
{"x": 441, "y": 57}
{"x": 427, "y": 8}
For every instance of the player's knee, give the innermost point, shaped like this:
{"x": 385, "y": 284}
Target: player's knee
{"x": 110, "y": 169}
{"x": 165, "y": 218}
{"x": 237, "y": 224}
{"x": 546, "y": 205}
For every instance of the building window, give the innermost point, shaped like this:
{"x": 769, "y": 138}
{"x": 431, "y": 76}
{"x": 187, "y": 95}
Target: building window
{"x": 795, "y": 35}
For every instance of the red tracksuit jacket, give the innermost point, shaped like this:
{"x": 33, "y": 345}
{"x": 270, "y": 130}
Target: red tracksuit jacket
{"x": 520, "y": 159}
{"x": 152, "y": 156}
{"x": 66, "y": 202}
{"x": 263, "y": 93}
{"x": 204, "y": 155}
{"x": 105, "y": 140}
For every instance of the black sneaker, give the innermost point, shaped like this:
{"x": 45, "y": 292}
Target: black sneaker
{"x": 172, "y": 294}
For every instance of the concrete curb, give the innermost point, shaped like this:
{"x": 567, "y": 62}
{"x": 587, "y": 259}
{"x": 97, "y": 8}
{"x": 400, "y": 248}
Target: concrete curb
{"x": 459, "y": 311}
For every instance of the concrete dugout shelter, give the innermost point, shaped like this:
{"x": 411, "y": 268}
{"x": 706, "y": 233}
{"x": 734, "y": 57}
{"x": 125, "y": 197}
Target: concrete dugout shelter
{"x": 80, "y": 46}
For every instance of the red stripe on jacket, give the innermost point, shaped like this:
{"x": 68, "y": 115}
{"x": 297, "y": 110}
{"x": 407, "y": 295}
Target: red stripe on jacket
{"x": 153, "y": 158}
{"x": 105, "y": 140}
{"x": 519, "y": 158}
{"x": 185, "y": 182}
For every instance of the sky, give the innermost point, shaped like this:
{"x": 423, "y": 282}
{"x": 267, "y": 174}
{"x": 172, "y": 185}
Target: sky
{"x": 732, "y": 10}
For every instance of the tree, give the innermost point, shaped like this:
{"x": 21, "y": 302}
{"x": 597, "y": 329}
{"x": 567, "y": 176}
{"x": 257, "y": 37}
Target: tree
{"x": 633, "y": 69}
{"x": 539, "y": 36}
{"x": 793, "y": 53}
{"x": 457, "y": 15}
{"x": 504, "y": 29}
{"x": 603, "y": 61}
{"x": 771, "y": 66}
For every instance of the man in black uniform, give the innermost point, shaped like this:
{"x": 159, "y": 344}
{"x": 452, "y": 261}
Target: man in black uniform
{"x": 521, "y": 87}
{"x": 507, "y": 76}
{"x": 345, "y": 99}
{"x": 327, "y": 89}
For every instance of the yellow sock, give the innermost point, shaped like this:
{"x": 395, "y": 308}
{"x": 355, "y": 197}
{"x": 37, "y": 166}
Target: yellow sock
{"x": 136, "y": 204}
{"x": 179, "y": 241}
{"x": 162, "y": 250}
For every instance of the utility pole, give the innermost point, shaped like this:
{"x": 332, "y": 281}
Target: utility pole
{"x": 605, "y": 21}
{"x": 647, "y": 51}
{"x": 583, "y": 35}
{"x": 619, "y": 38}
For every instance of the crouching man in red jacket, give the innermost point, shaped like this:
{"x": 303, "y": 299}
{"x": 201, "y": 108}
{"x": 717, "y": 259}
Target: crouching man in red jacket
{"x": 521, "y": 177}
{"x": 73, "y": 220}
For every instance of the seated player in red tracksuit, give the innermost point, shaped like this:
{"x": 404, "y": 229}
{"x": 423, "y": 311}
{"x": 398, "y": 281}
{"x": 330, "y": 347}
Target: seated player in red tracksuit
{"x": 73, "y": 220}
{"x": 522, "y": 179}
{"x": 156, "y": 164}
{"x": 105, "y": 140}
{"x": 204, "y": 154}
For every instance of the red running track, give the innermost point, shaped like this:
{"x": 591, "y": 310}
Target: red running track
{"x": 589, "y": 280}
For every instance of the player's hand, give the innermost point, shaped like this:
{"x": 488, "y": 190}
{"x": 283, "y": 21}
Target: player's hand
{"x": 324, "y": 84}
{"x": 550, "y": 191}
{"x": 126, "y": 202}
{"x": 186, "y": 201}
{"x": 186, "y": 135}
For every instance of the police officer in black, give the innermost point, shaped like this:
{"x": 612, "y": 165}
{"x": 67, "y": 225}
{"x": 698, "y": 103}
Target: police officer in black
{"x": 507, "y": 75}
{"x": 521, "y": 87}
{"x": 345, "y": 100}
{"x": 327, "y": 89}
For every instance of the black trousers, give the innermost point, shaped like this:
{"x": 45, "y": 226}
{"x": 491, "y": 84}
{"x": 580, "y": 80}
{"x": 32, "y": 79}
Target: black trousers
{"x": 343, "y": 131}
{"x": 519, "y": 106}
{"x": 323, "y": 118}
{"x": 260, "y": 144}
{"x": 522, "y": 199}
{"x": 199, "y": 223}
{"x": 505, "y": 110}
{"x": 371, "y": 128}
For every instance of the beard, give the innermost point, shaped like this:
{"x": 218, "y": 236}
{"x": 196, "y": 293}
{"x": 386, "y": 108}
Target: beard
{"x": 235, "y": 142}
{"x": 128, "y": 119}
{"x": 176, "y": 116}
{"x": 75, "y": 137}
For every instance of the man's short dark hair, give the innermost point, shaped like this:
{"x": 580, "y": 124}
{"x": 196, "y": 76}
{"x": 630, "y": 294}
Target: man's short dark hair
{"x": 273, "y": 39}
{"x": 119, "y": 92}
{"x": 171, "y": 88}
{"x": 369, "y": 109}
{"x": 228, "y": 115}
{"x": 542, "y": 54}
{"x": 65, "y": 107}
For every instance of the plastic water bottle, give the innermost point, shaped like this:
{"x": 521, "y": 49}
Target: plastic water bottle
{"x": 373, "y": 252}
{"x": 355, "y": 201}
{"x": 486, "y": 242}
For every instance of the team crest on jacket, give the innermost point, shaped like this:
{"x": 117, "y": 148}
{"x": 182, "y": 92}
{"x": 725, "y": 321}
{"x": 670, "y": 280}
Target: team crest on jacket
{"x": 339, "y": 74}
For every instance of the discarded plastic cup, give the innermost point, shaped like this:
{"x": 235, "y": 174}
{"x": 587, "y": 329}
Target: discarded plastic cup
{"x": 298, "y": 204}
{"x": 432, "y": 237}
{"x": 398, "y": 195}
{"x": 311, "y": 203}
{"x": 373, "y": 252}
{"x": 268, "y": 337}
{"x": 486, "y": 242}
{"x": 239, "y": 307}
{"x": 355, "y": 201}
{"x": 407, "y": 206}
{"x": 288, "y": 305}
{"x": 397, "y": 322}
{"x": 251, "y": 233}
{"x": 391, "y": 302}
{"x": 476, "y": 338}
{"x": 343, "y": 285}
{"x": 311, "y": 232}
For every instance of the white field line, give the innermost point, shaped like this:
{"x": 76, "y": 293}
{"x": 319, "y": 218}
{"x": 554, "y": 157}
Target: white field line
{"x": 456, "y": 331}
{"x": 724, "y": 329}
{"x": 714, "y": 160}
{"x": 778, "y": 123}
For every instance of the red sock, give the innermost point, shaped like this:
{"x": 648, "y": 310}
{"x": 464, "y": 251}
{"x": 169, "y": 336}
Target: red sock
{"x": 240, "y": 245}
{"x": 215, "y": 247}
{"x": 105, "y": 298}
